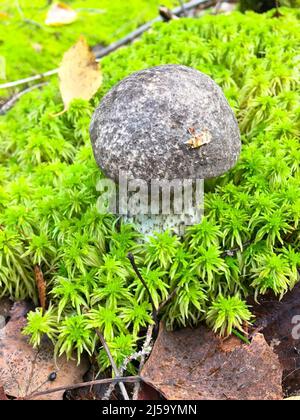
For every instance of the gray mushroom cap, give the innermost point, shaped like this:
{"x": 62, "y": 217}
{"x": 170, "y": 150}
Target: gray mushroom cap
{"x": 145, "y": 126}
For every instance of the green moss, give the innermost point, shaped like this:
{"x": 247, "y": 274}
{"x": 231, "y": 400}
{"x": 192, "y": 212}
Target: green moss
{"x": 48, "y": 195}
{"x": 30, "y": 47}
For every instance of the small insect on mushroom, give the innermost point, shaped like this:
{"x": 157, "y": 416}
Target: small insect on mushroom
{"x": 198, "y": 140}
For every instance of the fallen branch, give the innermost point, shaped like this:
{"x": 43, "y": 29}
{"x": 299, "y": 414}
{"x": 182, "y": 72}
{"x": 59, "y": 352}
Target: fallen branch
{"x": 11, "y": 102}
{"x": 113, "y": 364}
{"x": 127, "y": 379}
{"x": 193, "y": 4}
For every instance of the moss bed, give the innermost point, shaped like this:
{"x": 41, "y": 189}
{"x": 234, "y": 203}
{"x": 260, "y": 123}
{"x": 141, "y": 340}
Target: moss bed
{"x": 248, "y": 243}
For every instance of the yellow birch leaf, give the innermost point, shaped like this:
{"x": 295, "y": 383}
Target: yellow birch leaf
{"x": 60, "y": 14}
{"x": 79, "y": 73}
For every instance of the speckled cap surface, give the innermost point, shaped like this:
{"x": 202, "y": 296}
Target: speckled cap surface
{"x": 143, "y": 125}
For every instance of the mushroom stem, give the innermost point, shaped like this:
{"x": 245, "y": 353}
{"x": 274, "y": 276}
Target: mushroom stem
{"x": 166, "y": 205}
{"x": 177, "y": 223}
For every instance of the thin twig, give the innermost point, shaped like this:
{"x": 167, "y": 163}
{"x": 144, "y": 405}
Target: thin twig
{"x": 109, "y": 391}
{"x": 19, "y": 9}
{"x": 23, "y": 18}
{"x": 10, "y": 103}
{"x": 126, "y": 379}
{"x": 113, "y": 364}
{"x": 145, "y": 351}
{"x": 165, "y": 302}
{"x": 29, "y": 79}
{"x": 112, "y": 47}
{"x": 33, "y": 22}
{"x": 137, "y": 272}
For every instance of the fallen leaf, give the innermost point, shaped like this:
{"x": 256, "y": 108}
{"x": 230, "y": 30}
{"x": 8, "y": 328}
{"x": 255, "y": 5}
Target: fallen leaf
{"x": 24, "y": 370}
{"x": 60, "y": 14}
{"x": 3, "y": 396}
{"x": 79, "y": 74}
{"x": 41, "y": 286}
{"x": 195, "y": 364}
{"x": 275, "y": 322}
{"x": 148, "y": 393}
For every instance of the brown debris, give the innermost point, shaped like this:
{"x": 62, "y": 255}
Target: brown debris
{"x": 24, "y": 370}
{"x": 148, "y": 393}
{"x": 79, "y": 73}
{"x": 3, "y": 396}
{"x": 275, "y": 321}
{"x": 195, "y": 364}
{"x": 41, "y": 286}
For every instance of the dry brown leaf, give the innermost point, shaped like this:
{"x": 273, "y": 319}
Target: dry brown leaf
{"x": 41, "y": 285}
{"x": 195, "y": 364}
{"x": 24, "y": 370}
{"x": 148, "y": 393}
{"x": 60, "y": 14}
{"x": 79, "y": 73}
{"x": 3, "y": 396}
{"x": 275, "y": 320}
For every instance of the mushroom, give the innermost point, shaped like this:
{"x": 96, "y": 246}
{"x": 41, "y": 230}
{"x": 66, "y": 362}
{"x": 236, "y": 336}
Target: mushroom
{"x": 168, "y": 124}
